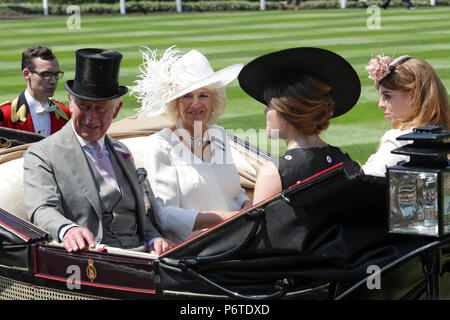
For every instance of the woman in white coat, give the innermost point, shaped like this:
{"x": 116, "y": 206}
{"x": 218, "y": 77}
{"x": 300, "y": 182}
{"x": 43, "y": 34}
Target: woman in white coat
{"x": 190, "y": 164}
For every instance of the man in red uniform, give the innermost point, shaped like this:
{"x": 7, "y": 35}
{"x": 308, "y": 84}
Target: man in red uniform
{"x": 33, "y": 110}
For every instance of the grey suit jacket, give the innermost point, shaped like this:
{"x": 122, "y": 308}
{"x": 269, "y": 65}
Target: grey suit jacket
{"x": 59, "y": 187}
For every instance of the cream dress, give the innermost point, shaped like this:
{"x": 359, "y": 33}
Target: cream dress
{"x": 377, "y": 163}
{"x": 180, "y": 179}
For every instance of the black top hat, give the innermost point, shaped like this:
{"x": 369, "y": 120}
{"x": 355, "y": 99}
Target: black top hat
{"x": 96, "y": 75}
{"x": 325, "y": 65}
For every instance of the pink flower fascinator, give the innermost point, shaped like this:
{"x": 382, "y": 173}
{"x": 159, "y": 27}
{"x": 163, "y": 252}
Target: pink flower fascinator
{"x": 380, "y": 66}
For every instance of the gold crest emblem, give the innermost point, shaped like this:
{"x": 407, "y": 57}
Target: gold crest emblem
{"x": 91, "y": 272}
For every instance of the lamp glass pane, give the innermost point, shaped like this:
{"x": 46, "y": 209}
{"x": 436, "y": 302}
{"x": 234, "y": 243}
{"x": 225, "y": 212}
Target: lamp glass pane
{"x": 413, "y": 202}
{"x": 446, "y": 201}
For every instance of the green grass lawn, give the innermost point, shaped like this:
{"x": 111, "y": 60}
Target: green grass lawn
{"x": 228, "y": 38}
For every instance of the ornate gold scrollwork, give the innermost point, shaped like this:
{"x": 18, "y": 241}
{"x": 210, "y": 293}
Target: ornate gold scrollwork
{"x": 4, "y": 143}
{"x": 91, "y": 272}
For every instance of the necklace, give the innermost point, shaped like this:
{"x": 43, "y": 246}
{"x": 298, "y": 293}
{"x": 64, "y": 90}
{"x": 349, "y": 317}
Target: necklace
{"x": 197, "y": 142}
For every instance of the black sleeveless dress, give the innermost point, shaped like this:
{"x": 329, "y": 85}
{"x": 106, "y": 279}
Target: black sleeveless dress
{"x": 301, "y": 163}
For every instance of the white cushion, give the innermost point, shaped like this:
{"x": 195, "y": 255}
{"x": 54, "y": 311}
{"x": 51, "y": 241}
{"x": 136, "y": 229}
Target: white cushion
{"x": 137, "y": 147}
{"x": 11, "y": 188}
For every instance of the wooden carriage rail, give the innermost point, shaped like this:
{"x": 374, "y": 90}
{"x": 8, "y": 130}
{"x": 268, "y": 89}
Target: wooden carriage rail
{"x": 9, "y": 154}
{"x": 20, "y": 136}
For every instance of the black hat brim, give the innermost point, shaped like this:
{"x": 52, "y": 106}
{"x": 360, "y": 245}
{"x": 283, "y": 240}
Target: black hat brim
{"x": 327, "y": 66}
{"x": 98, "y": 96}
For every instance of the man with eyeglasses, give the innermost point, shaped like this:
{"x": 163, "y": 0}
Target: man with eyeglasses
{"x": 34, "y": 110}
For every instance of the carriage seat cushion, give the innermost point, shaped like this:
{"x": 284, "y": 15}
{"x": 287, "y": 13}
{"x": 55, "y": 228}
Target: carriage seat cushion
{"x": 137, "y": 146}
{"x": 11, "y": 188}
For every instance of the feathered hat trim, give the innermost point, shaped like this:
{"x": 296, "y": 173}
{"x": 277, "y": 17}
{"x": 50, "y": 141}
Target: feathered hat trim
{"x": 170, "y": 76}
{"x": 155, "y": 87}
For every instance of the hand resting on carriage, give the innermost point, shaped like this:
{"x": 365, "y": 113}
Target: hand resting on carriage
{"x": 76, "y": 238}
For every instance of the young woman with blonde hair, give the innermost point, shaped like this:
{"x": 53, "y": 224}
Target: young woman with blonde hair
{"x": 412, "y": 95}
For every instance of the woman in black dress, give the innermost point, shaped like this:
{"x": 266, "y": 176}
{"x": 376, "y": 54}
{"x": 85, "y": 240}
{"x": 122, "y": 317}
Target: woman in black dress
{"x": 303, "y": 89}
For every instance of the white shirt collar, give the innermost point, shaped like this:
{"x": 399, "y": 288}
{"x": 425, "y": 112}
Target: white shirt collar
{"x": 83, "y": 142}
{"x": 35, "y": 106}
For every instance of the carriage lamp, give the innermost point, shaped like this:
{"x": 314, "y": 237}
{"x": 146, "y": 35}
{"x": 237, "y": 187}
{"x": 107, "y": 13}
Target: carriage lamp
{"x": 419, "y": 190}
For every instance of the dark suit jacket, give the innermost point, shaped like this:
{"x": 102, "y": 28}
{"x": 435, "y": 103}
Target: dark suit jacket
{"x": 59, "y": 187}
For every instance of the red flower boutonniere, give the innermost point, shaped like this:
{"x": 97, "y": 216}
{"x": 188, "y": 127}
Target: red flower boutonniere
{"x": 119, "y": 149}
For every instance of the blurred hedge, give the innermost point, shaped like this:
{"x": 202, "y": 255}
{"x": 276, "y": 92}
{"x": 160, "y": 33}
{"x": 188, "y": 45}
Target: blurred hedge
{"x": 59, "y": 7}
{"x": 303, "y": 3}
{"x": 135, "y": 7}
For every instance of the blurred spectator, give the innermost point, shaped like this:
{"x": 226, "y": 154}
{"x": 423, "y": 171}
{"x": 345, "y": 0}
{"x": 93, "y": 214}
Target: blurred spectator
{"x": 408, "y": 4}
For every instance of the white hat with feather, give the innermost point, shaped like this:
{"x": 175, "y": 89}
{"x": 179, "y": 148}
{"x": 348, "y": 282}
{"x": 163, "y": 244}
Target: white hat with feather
{"x": 171, "y": 76}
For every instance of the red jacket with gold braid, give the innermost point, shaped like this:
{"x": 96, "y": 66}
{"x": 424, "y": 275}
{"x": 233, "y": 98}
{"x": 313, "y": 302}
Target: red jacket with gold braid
{"x": 16, "y": 115}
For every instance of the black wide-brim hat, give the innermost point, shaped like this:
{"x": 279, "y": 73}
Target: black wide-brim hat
{"x": 325, "y": 65}
{"x": 96, "y": 75}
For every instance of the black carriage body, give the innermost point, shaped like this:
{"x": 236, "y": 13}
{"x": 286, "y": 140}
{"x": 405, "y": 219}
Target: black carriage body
{"x": 31, "y": 267}
{"x": 12, "y": 137}
{"x": 325, "y": 232}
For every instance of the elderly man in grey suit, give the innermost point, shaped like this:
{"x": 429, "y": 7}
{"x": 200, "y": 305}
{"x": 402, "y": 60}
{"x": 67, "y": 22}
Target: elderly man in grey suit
{"x": 81, "y": 185}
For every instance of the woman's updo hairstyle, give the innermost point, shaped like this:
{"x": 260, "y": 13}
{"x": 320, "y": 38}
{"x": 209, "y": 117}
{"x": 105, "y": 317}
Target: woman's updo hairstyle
{"x": 302, "y": 100}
